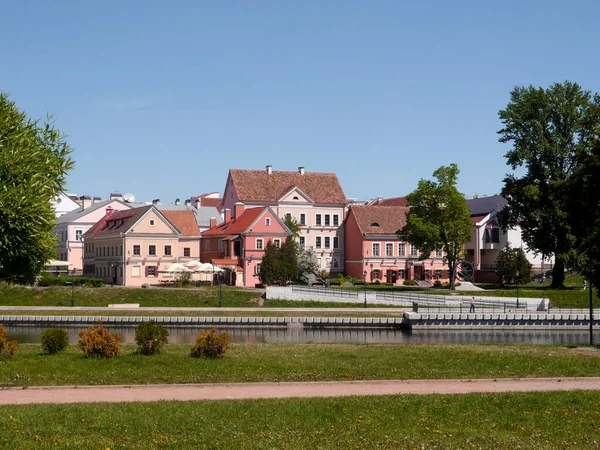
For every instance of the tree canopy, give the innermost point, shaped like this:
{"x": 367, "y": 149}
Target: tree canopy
{"x": 512, "y": 266}
{"x": 34, "y": 161}
{"x": 280, "y": 264}
{"x": 551, "y": 131}
{"x": 438, "y": 218}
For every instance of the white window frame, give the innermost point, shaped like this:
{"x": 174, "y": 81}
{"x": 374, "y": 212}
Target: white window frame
{"x": 318, "y": 241}
{"x": 260, "y": 244}
{"x": 414, "y": 251}
{"x": 257, "y": 269}
{"x": 389, "y": 246}
{"x": 378, "y": 245}
{"x": 267, "y": 221}
{"x": 336, "y": 220}
{"x": 302, "y": 241}
{"x": 277, "y": 243}
{"x": 151, "y": 222}
{"x": 327, "y": 220}
{"x": 288, "y": 214}
{"x": 78, "y": 235}
{"x": 327, "y": 242}
{"x": 439, "y": 253}
{"x": 318, "y": 219}
{"x": 302, "y": 218}
{"x": 170, "y": 247}
{"x": 403, "y": 246}
{"x": 149, "y": 247}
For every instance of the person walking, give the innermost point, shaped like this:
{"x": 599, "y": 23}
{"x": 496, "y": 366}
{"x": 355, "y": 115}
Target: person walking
{"x": 472, "y": 305}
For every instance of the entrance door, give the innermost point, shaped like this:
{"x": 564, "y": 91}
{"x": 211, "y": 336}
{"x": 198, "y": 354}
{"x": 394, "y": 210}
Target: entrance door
{"x": 418, "y": 273}
{"x": 391, "y": 276}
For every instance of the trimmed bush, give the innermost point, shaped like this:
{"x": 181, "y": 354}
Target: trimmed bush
{"x": 437, "y": 283}
{"x": 409, "y": 283}
{"x": 50, "y": 280}
{"x": 150, "y": 337}
{"x": 54, "y": 340}
{"x": 210, "y": 345}
{"x": 98, "y": 342}
{"x": 6, "y": 346}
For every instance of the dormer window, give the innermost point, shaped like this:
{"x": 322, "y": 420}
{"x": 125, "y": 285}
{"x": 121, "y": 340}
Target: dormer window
{"x": 374, "y": 224}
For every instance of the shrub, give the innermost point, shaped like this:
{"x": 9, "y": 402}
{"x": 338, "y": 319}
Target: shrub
{"x": 336, "y": 282}
{"x": 99, "y": 342}
{"x": 54, "y": 340}
{"x": 210, "y": 345}
{"x": 409, "y": 283}
{"x": 50, "y": 280}
{"x": 6, "y": 346}
{"x": 437, "y": 283}
{"x": 150, "y": 337}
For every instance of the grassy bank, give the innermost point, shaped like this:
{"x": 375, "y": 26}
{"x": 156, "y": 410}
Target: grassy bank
{"x": 210, "y": 313}
{"x": 299, "y": 362}
{"x": 540, "y": 420}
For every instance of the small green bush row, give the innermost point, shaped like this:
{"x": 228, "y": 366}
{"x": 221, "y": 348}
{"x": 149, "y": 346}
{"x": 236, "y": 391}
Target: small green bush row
{"x": 49, "y": 280}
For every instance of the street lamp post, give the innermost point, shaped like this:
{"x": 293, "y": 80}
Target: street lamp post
{"x": 72, "y": 288}
{"x": 220, "y": 295}
{"x": 517, "y": 289}
{"x": 591, "y": 308}
{"x": 365, "y": 280}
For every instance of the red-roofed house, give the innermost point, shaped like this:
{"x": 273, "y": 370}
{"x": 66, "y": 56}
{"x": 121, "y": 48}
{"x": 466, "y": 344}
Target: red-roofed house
{"x": 211, "y": 199}
{"x": 134, "y": 246}
{"x": 315, "y": 200}
{"x": 395, "y": 201}
{"x": 372, "y": 246}
{"x": 238, "y": 244}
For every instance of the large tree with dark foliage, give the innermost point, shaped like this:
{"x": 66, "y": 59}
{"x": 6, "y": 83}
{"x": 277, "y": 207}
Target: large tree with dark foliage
{"x": 34, "y": 161}
{"x": 551, "y": 132}
{"x": 512, "y": 266}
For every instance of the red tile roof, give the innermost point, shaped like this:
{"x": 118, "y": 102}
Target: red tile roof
{"x": 209, "y": 201}
{"x": 379, "y": 219}
{"x": 475, "y": 219}
{"x": 184, "y": 221}
{"x": 237, "y": 225}
{"x": 117, "y": 222}
{"x": 260, "y": 186}
{"x": 395, "y": 201}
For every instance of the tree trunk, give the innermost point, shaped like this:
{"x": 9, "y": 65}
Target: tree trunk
{"x": 558, "y": 274}
{"x": 451, "y": 269}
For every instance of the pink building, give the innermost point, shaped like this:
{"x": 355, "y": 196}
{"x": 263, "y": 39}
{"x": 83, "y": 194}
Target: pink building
{"x": 239, "y": 243}
{"x": 315, "y": 200}
{"x": 376, "y": 254}
{"x": 134, "y": 246}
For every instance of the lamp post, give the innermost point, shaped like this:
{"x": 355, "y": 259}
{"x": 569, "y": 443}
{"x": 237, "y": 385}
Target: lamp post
{"x": 365, "y": 280}
{"x": 220, "y": 295}
{"x": 73, "y": 288}
{"x": 591, "y": 308}
{"x": 517, "y": 289}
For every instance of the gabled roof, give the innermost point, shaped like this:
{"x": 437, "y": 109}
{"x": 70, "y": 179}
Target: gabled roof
{"x": 260, "y": 186}
{"x": 209, "y": 200}
{"x": 394, "y": 201}
{"x": 237, "y": 225}
{"x": 184, "y": 221}
{"x": 79, "y": 213}
{"x": 379, "y": 219}
{"x": 485, "y": 205}
{"x": 117, "y": 222}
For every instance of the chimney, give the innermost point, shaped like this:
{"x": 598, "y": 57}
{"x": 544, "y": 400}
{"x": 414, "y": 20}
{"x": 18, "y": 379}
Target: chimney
{"x": 109, "y": 210}
{"x": 86, "y": 201}
{"x": 213, "y": 222}
{"x": 96, "y": 199}
{"x": 156, "y": 201}
{"x": 198, "y": 203}
{"x": 188, "y": 202}
{"x": 238, "y": 209}
{"x": 269, "y": 169}
{"x": 227, "y": 215}
{"x": 301, "y": 170}
{"x": 115, "y": 196}
{"x": 177, "y": 202}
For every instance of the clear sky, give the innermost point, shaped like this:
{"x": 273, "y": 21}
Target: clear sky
{"x": 161, "y": 98}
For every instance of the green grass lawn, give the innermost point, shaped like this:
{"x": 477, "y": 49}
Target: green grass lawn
{"x": 299, "y": 362}
{"x": 359, "y": 312}
{"x": 493, "y": 421}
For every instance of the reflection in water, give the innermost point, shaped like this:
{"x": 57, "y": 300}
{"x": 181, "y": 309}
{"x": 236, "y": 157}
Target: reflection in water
{"x": 275, "y": 335}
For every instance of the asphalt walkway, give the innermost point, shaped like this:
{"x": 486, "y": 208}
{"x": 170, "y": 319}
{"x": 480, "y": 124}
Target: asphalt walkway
{"x": 179, "y": 392}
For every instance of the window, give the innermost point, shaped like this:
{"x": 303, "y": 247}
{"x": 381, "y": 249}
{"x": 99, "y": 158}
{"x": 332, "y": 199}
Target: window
{"x": 336, "y": 220}
{"x": 389, "y": 249}
{"x": 335, "y": 263}
{"x": 302, "y": 219}
{"x": 376, "y": 274}
{"x": 439, "y": 253}
{"x": 186, "y": 251}
{"x": 319, "y": 262}
{"x": 257, "y": 269}
{"x": 136, "y": 250}
{"x": 220, "y": 245}
{"x": 376, "y": 249}
{"x": 327, "y": 219}
{"x": 121, "y": 250}
{"x": 336, "y": 242}
{"x": 167, "y": 250}
{"x": 401, "y": 274}
{"x": 207, "y": 245}
{"x": 78, "y": 234}
{"x": 318, "y": 219}
{"x": 414, "y": 251}
{"x": 302, "y": 241}
{"x": 151, "y": 222}
{"x": 259, "y": 244}
{"x": 438, "y": 273}
{"x": 327, "y": 262}
{"x": 401, "y": 249}
{"x": 318, "y": 242}
{"x": 152, "y": 250}
{"x": 277, "y": 243}
{"x": 151, "y": 271}
{"x": 268, "y": 222}
{"x": 288, "y": 215}
{"x": 327, "y": 242}
{"x": 492, "y": 235}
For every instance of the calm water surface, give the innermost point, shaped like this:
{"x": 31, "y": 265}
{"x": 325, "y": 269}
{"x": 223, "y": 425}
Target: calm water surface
{"x": 187, "y": 335}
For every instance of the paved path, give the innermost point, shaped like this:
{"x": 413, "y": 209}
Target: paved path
{"x": 180, "y": 392}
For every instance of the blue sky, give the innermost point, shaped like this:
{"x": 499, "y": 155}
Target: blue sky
{"x": 162, "y": 98}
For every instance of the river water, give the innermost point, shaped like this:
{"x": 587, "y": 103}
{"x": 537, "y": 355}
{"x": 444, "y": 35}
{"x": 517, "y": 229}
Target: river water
{"x": 276, "y": 335}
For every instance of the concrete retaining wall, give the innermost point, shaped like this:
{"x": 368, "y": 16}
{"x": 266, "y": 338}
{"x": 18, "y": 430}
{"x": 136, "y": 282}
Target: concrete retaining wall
{"x": 500, "y": 320}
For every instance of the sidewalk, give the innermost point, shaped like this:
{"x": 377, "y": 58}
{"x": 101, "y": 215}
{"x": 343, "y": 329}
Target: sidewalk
{"x": 178, "y": 392}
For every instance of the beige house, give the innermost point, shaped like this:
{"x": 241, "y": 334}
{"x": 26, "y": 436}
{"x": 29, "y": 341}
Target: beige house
{"x": 315, "y": 200}
{"x": 134, "y": 247}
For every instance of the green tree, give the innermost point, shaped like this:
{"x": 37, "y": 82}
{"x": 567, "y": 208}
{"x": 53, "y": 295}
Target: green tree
{"x": 293, "y": 225}
{"x": 270, "y": 267}
{"x": 34, "y": 161}
{"x": 288, "y": 253}
{"x": 438, "y": 218}
{"x": 551, "y": 131}
{"x": 512, "y": 266}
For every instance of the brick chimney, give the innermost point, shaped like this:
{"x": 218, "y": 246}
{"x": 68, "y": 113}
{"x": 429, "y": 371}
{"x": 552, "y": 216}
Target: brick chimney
{"x": 177, "y": 202}
{"x": 198, "y": 203}
{"x": 269, "y": 169}
{"x": 109, "y": 210}
{"x": 238, "y": 210}
{"x": 213, "y": 222}
{"x": 227, "y": 216}
{"x": 188, "y": 202}
{"x": 301, "y": 170}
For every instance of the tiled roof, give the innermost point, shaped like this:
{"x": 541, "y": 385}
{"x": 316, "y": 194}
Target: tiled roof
{"x": 237, "y": 225}
{"x": 79, "y": 213}
{"x": 117, "y": 222}
{"x": 184, "y": 221}
{"x": 395, "y": 201}
{"x": 203, "y": 214}
{"x": 475, "y": 219}
{"x": 379, "y": 219}
{"x": 485, "y": 205}
{"x": 260, "y": 186}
